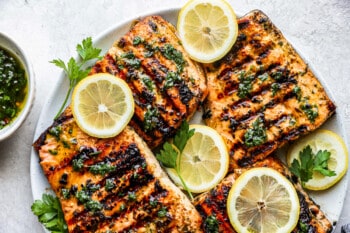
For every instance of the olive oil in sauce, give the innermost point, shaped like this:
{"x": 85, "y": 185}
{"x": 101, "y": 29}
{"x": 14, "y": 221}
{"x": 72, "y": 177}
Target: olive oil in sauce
{"x": 13, "y": 87}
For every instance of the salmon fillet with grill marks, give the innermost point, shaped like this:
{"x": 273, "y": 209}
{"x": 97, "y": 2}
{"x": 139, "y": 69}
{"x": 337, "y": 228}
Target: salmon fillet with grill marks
{"x": 167, "y": 85}
{"x": 213, "y": 203}
{"x": 262, "y": 94}
{"x": 111, "y": 184}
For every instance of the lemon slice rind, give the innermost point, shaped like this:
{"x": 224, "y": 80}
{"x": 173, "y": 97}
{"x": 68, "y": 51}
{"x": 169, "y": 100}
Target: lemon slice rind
{"x": 204, "y": 160}
{"x": 102, "y": 105}
{"x": 251, "y": 208}
{"x": 207, "y": 36}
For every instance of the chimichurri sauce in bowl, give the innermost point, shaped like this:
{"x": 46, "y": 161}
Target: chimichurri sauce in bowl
{"x": 13, "y": 87}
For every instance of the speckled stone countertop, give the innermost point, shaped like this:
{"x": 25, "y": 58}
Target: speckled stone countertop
{"x": 49, "y": 29}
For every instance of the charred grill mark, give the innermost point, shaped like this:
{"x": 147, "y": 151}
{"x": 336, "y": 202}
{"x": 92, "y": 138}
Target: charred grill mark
{"x": 214, "y": 204}
{"x": 130, "y": 177}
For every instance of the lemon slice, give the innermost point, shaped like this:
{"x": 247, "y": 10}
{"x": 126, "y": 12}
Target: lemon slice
{"x": 207, "y": 28}
{"x": 204, "y": 160}
{"x": 102, "y": 105}
{"x": 338, "y": 162}
{"x": 262, "y": 200}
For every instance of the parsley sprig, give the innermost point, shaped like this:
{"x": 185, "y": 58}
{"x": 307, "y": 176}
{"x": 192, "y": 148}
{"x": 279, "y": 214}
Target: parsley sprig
{"x": 310, "y": 162}
{"x": 50, "y": 214}
{"x": 76, "y": 70}
{"x": 168, "y": 156}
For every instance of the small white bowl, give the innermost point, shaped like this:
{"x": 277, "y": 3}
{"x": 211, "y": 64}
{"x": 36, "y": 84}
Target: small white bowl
{"x": 10, "y": 45}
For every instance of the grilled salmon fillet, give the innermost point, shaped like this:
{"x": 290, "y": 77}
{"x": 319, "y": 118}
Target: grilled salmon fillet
{"x": 262, "y": 94}
{"x": 111, "y": 184}
{"x": 167, "y": 85}
{"x": 212, "y": 205}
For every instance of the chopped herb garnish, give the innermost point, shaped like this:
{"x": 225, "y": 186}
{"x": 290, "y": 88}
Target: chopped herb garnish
{"x": 162, "y": 212}
{"x": 78, "y": 163}
{"x": 256, "y": 135}
{"x": 131, "y": 196}
{"x": 151, "y": 119}
{"x": 263, "y": 77}
{"x": 275, "y": 87}
{"x": 102, "y": 168}
{"x": 53, "y": 152}
{"x": 175, "y": 55}
{"x": 65, "y": 193}
{"x": 137, "y": 40}
{"x": 311, "y": 111}
{"x": 55, "y": 131}
{"x": 245, "y": 84}
{"x": 93, "y": 205}
{"x": 109, "y": 184}
{"x": 297, "y": 92}
{"x": 309, "y": 162}
{"x": 211, "y": 224}
{"x": 148, "y": 82}
{"x": 170, "y": 79}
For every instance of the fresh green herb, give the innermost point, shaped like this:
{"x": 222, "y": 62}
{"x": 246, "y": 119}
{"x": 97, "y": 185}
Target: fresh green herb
{"x": 131, "y": 196}
{"x": 245, "y": 84}
{"x": 78, "y": 163}
{"x": 122, "y": 207}
{"x": 109, "y": 184}
{"x": 55, "y": 131}
{"x": 93, "y": 205}
{"x": 137, "y": 40}
{"x": 84, "y": 197}
{"x": 65, "y": 144}
{"x": 297, "y": 92}
{"x": 65, "y": 193}
{"x": 303, "y": 228}
{"x": 275, "y": 87}
{"x": 53, "y": 152}
{"x": 170, "y": 79}
{"x": 148, "y": 82}
{"x": 311, "y": 111}
{"x": 263, "y": 77}
{"x": 153, "y": 202}
{"x": 13, "y": 83}
{"x": 169, "y": 153}
{"x": 278, "y": 75}
{"x": 310, "y": 162}
{"x": 211, "y": 224}
{"x": 162, "y": 212}
{"x": 50, "y": 214}
{"x": 151, "y": 118}
{"x": 130, "y": 59}
{"x": 175, "y": 55}
{"x": 102, "y": 168}
{"x": 256, "y": 135}
{"x": 77, "y": 70}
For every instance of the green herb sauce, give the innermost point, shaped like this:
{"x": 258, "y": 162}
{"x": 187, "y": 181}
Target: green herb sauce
{"x": 13, "y": 87}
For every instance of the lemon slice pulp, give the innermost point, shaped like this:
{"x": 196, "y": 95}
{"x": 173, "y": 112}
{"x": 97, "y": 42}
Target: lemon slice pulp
{"x": 338, "y": 162}
{"x": 207, "y": 28}
{"x": 262, "y": 200}
{"x": 102, "y": 105}
{"x": 204, "y": 160}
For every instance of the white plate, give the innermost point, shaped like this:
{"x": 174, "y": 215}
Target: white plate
{"x": 331, "y": 201}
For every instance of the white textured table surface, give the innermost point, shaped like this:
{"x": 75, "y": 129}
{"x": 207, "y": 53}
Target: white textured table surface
{"x": 49, "y": 29}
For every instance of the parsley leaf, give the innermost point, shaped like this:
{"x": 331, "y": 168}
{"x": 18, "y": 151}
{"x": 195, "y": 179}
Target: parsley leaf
{"x": 168, "y": 155}
{"x": 50, "y": 214}
{"x": 76, "y": 70}
{"x": 321, "y": 163}
{"x": 310, "y": 162}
